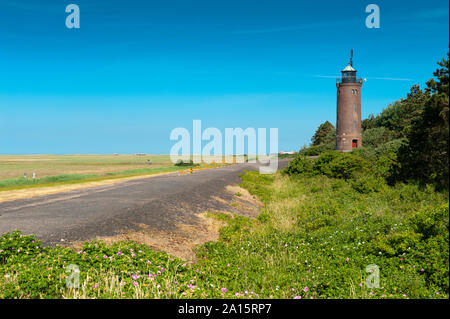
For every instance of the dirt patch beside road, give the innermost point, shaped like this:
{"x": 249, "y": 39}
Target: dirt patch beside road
{"x": 182, "y": 240}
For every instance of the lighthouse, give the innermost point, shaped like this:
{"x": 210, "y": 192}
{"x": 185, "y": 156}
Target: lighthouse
{"x": 348, "y": 121}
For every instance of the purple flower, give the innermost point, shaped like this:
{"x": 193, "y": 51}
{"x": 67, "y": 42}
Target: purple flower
{"x": 298, "y": 297}
{"x": 135, "y": 283}
{"x": 305, "y": 289}
{"x": 223, "y": 289}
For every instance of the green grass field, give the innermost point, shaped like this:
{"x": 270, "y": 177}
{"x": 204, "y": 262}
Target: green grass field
{"x": 14, "y": 166}
{"x": 68, "y": 169}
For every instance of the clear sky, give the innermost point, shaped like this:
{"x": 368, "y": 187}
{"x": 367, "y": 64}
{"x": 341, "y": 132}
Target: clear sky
{"x": 137, "y": 69}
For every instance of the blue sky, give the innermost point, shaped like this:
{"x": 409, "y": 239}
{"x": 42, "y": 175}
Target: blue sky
{"x": 137, "y": 69}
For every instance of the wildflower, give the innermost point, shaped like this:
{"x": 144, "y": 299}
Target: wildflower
{"x": 134, "y": 277}
{"x": 347, "y": 259}
{"x": 135, "y": 283}
{"x": 223, "y": 289}
{"x": 422, "y": 269}
{"x": 148, "y": 262}
{"x": 122, "y": 283}
{"x": 228, "y": 265}
{"x": 133, "y": 255}
{"x": 119, "y": 253}
{"x": 298, "y": 297}
{"x": 360, "y": 284}
{"x": 95, "y": 286}
{"x": 158, "y": 286}
{"x": 305, "y": 289}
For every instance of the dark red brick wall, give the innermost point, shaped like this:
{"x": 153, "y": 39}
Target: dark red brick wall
{"x": 346, "y": 131}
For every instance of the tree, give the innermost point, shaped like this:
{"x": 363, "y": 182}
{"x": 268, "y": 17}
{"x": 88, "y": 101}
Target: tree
{"x": 399, "y": 116}
{"x": 425, "y": 156}
{"x": 369, "y": 122}
{"x": 322, "y": 135}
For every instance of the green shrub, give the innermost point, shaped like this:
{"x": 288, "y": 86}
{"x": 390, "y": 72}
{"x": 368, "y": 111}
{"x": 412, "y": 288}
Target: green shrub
{"x": 368, "y": 183}
{"x": 431, "y": 222}
{"x": 339, "y": 165}
{"x": 376, "y": 136}
{"x": 316, "y": 150}
{"x": 390, "y": 147}
{"x": 301, "y": 165}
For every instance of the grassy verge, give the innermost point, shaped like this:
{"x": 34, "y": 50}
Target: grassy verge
{"x": 63, "y": 179}
{"x": 314, "y": 239}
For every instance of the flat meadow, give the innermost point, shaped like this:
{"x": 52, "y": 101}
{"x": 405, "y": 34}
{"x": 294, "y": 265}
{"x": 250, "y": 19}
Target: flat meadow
{"x": 57, "y": 169}
{"x": 14, "y": 166}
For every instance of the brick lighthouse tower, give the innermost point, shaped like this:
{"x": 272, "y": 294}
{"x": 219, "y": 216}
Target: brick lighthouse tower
{"x": 348, "y": 122}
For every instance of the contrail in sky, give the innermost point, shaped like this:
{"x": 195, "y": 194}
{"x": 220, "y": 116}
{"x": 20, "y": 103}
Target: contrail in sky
{"x": 369, "y": 78}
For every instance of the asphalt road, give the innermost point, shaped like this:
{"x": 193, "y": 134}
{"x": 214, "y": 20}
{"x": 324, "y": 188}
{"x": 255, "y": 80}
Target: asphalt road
{"x": 160, "y": 201}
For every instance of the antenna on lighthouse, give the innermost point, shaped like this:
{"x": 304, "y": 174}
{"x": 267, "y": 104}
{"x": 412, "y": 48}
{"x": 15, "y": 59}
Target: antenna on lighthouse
{"x": 351, "y": 57}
